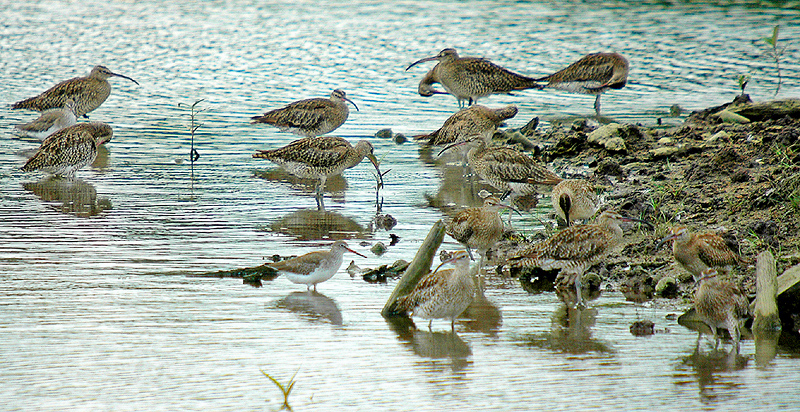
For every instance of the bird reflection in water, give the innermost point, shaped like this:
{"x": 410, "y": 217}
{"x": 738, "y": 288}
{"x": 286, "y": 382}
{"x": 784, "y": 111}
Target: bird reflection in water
{"x": 570, "y": 332}
{"x": 336, "y": 185}
{"x": 313, "y": 306}
{"x": 435, "y": 346}
{"x": 482, "y": 315}
{"x": 711, "y": 371}
{"x": 313, "y": 224}
{"x": 72, "y": 196}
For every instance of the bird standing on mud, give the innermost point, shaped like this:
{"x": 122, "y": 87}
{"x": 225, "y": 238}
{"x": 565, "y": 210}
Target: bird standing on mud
{"x": 88, "y": 93}
{"x": 470, "y": 78}
{"x": 697, "y": 252}
{"x": 310, "y": 117}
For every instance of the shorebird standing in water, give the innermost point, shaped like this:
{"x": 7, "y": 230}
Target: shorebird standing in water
{"x": 50, "y": 121}
{"x": 310, "y": 117}
{"x": 697, "y": 252}
{"x": 88, "y": 93}
{"x": 722, "y": 304}
{"x": 592, "y": 74}
{"x": 314, "y": 267}
{"x": 470, "y": 78}
{"x": 442, "y": 294}
{"x": 575, "y": 249}
{"x": 477, "y": 120}
{"x": 478, "y": 227}
{"x": 320, "y": 157}
{"x": 575, "y": 199}
{"x": 66, "y": 151}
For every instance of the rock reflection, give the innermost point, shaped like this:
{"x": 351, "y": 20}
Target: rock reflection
{"x": 335, "y": 185}
{"x": 72, "y": 196}
{"x": 313, "y": 306}
{"x": 313, "y": 224}
{"x": 433, "y": 345}
{"x": 570, "y": 332}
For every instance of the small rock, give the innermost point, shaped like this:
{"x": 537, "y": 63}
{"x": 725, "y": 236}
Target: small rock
{"x": 643, "y": 328}
{"x": 616, "y": 144}
{"x": 353, "y": 269}
{"x": 603, "y": 134}
{"x": 530, "y": 128}
{"x": 665, "y": 152}
{"x": 519, "y": 138}
{"x": 741, "y": 175}
{"x": 665, "y": 141}
{"x": 399, "y": 138}
{"x": 675, "y": 110}
{"x": 728, "y": 116}
{"x": 609, "y": 167}
{"x": 667, "y": 287}
{"x": 378, "y": 248}
{"x": 721, "y": 135}
{"x": 384, "y": 134}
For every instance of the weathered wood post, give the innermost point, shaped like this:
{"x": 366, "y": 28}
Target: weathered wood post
{"x": 418, "y": 268}
{"x": 766, "y": 306}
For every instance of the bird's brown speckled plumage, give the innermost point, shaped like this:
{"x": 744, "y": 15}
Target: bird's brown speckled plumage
{"x": 474, "y": 121}
{"x": 478, "y": 227}
{"x": 575, "y": 199}
{"x": 314, "y": 267}
{"x": 697, "y": 252}
{"x": 310, "y": 117}
{"x": 70, "y": 149}
{"x": 576, "y": 248}
{"x": 470, "y": 78}
{"x": 319, "y": 157}
{"x": 442, "y": 294}
{"x": 88, "y": 93}
{"x": 720, "y": 303}
{"x": 50, "y": 121}
{"x": 592, "y": 74}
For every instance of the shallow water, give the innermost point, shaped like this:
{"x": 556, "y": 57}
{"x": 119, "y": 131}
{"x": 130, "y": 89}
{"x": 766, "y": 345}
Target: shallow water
{"x": 98, "y": 311}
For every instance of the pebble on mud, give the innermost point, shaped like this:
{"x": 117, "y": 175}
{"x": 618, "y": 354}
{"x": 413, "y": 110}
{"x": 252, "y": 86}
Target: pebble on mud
{"x": 384, "y": 134}
{"x": 378, "y": 248}
{"x": 643, "y": 328}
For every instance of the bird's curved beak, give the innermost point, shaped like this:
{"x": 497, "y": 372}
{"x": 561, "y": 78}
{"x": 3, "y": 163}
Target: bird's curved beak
{"x": 427, "y": 59}
{"x": 452, "y": 145}
{"x": 509, "y": 207}
{"x": 644, "y": 222}
{"x": 124, "y": 77}
{"x": 665, "y": 240}
{"x": 374, "y": 161}
{"x": 351, "y": 102}
{"x": 353, "y": 251}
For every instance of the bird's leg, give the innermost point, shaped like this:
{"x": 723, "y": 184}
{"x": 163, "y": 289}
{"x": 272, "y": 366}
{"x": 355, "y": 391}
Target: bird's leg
{"x": 733, "y": 328}
{"x": 697, "y": 346}
{"x": 716, "y": 337}
{"x": 320, "y": 195}
{"x": 453, "y": 325}
{"x": 578, "y": 289}
{"x": 597, "y": 105}
{"x": 469, "y": 252}
{"x": 505, "y": 194}
{"x": 430, "y": 325}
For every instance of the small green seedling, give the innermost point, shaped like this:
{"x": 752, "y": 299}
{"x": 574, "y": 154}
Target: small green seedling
{"x": 286, "y": 390}
{"x": 775, "y": 52}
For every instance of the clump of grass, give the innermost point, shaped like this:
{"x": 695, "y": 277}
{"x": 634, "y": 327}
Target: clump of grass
{"x": 286, "y": 390}
{"x": 775, "y": 53}
{"x": 743, "y": 79}
{"x": 193, "y": 127}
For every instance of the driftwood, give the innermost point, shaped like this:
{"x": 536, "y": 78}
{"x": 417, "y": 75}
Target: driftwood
{"x": 767, "y": 110}
{"x": 418, "y": 268}
{"x": 765, "y": 307}
{"x": 251, "y": 276}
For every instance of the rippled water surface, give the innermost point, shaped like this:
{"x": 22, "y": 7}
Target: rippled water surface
{"x": 98, "y": 311}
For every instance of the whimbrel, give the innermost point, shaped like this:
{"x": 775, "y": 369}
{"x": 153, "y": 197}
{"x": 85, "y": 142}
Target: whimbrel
{"x": 442, "y": 294}
{"x": 592, "y": 74}
{"x": 575, "y": 199}
{"x": 476, "y": 121}
{"x": 470, "y": 78}
{"x": 314, "y": 267}
{"x": 320, "y": 157}
{"x": 88, "y": 93}
{"x": 507, "y": 169}
{"x": 697, "y": 252}
{"x": 50, "y": 121}
{"x": 576, "y": 248}
{"x": 478, "y": 227}
{"x": 720, "y": 303}
{"x": 66, "y": 151}
{"x": 310, "y": 117}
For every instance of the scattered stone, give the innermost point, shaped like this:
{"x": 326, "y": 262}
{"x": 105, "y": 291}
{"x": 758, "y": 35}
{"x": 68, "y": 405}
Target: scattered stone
{"x": 728, "y": 116}
{"x": 378, "y": 249}
{"x": 384, "y": 134}
{"x": 616, "y": 144}
{"x": 520, "y": 139}
{"x": 667, "y": 287}
{"x": 643, "y": 328}
{"x": 665, "y": 141}
{"x": 394, "y": 239}
{"x": 530, "y": 128}
{"x": 741, "y": 175}
{"x": 399, "y": 138}
{"x": 666, "y": 152}
{"x": 675, "y": 110}
{"x": 609, "y": 167}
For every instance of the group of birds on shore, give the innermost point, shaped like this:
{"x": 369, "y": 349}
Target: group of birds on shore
{"x": 69, "y": 146}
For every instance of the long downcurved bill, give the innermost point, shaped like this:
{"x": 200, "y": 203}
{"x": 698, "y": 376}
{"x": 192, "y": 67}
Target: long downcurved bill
{"x": 633, "y": 219}
{"x": 665, "y": 240}
{"x": 351, "y": 102}
{"x": 427, "y": 59}
{"x": 124, "y": 77}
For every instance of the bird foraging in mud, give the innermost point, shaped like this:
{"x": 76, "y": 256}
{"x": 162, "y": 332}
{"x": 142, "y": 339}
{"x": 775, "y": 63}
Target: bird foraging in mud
{"x": 314, "y": 267}
{"x": 475, "y": 121}
{"x": 321, "y": 157}
{"x": 592, "y": 74}
{"x": 697, "y": 252}
{"x": 442, "y": 294}
{"x": 478, "y": 227}
{"x": 66, "y": 151}
{"x": 310, "y": 117}
{"x": 470, "y": 78}
{"x": 88, "y": 93}
{"x": 575, "y": 199}
{"x": 575, "y": 249}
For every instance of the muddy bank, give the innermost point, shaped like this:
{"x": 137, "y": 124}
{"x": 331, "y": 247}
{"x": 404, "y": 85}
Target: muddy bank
{"x": 734, "y": 169}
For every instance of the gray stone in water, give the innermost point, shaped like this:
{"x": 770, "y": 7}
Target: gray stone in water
{"x": 400, "y": 138}
{"x": 384, "y": 134}
{"x": 378, "y": 248}
{"x": 667, "y": 287}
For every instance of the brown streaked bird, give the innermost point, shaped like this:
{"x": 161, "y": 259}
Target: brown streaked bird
{"x": 576, "y": 248}
{"x": 470, "y": 78}
{"x": 592, "y": 74}
{"x": 720, "y": 304}
{"x": 66, "y": 151}
{"x": 88, "y": 93}
{"x": 575, "y": 199}
{"x": 314, "y": 267}
{"x": 320, "y": 157}
{"x": 310, "y": 117}
{"x": 442, "y": 294}
{"x": 478, "y": 227}
{"x": 50, "y": 121}
{"x": 507, "y": 169}
{"x": 697, "y": 252}
{"x": 476, "y": 120}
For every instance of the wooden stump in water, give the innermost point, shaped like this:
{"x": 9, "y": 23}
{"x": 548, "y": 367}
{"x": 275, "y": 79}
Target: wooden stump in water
{"x": 766, "y": 306}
